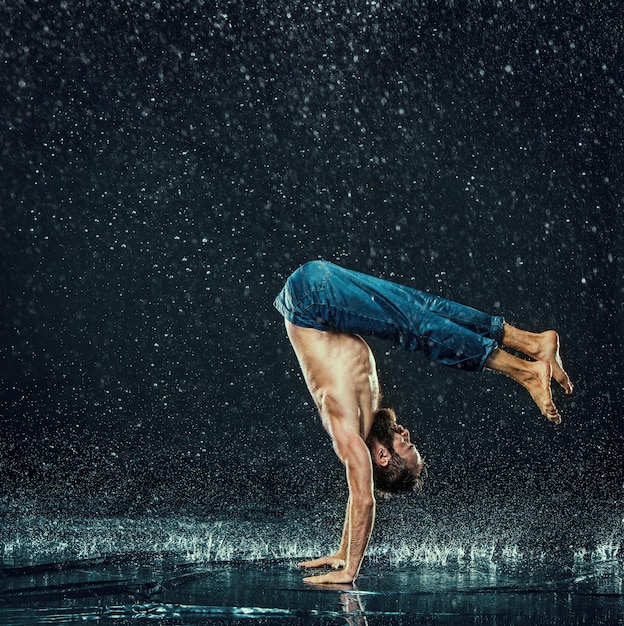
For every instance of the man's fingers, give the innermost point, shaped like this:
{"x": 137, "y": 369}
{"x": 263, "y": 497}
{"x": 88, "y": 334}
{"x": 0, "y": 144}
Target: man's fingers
{"x": 314, "y": 563}
{"x": 323, "y": 562}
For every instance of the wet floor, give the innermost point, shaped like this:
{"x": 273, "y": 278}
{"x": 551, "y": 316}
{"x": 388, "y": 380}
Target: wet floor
{"x": 138, "y": 587}
{"x": 242, "y": 569}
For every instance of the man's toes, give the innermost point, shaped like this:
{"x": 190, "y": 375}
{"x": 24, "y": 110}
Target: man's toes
{"x": 566, "y": 384}
{"x": 553, "y": 415}
{"x": 563, "y": 379}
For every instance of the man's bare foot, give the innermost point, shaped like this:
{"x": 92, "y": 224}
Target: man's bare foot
{"x": 549, "y": 351}
{"x": 541, "y": 347}
{"x": 534, "y": 376}
{"x": 537, "y": 383}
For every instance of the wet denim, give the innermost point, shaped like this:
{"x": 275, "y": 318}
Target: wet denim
{"x": 327, "y": 297}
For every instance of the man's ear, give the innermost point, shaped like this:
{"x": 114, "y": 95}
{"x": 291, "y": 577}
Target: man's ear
{"x": 380, "y": 454}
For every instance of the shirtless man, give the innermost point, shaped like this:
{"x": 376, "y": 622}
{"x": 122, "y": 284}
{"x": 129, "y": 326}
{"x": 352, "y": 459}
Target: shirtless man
{"x": 326, "y": 309}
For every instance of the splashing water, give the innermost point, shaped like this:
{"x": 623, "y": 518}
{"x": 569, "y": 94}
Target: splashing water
{"x": 239, "y": 564}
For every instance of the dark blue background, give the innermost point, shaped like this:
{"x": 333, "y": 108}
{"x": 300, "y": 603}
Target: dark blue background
{"x": 165, "y": 166}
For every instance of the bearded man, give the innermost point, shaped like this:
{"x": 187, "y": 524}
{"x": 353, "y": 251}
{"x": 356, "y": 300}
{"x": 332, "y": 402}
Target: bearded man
{"x": 327, "y": 309}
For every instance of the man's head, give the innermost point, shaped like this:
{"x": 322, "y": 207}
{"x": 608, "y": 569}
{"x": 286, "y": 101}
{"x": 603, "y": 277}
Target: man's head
{"x": 397, "y": 465}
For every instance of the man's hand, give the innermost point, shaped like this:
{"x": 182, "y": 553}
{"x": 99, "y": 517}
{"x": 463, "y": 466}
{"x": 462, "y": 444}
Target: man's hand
{"x": 332, "y": 561}
{"x": 336, "y": 578}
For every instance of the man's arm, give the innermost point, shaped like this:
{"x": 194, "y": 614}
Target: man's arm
{"x": 352, "y": 451}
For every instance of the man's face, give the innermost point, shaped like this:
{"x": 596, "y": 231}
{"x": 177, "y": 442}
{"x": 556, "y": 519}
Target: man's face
{"x": 406, "y": 449}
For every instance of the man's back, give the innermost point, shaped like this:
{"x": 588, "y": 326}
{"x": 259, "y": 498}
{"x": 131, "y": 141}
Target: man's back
{"x": 341, "y": 375}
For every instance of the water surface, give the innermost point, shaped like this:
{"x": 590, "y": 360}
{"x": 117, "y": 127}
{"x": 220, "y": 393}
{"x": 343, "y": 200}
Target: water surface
{"x": 242, "y": 565}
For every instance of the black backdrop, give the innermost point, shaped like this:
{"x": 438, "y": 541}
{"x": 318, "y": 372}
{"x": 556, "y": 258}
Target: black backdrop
{"x": 166, "y": 165}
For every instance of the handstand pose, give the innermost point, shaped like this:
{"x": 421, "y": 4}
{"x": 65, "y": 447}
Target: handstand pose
{"x": 326, "y": 308}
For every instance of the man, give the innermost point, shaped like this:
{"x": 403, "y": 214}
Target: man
{"x": 326, "y": 308}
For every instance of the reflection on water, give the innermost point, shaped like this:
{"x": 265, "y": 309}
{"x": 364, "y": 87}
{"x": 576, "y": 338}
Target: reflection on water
{"x": 163, "y": 588}
{"x": 236, "y": 568}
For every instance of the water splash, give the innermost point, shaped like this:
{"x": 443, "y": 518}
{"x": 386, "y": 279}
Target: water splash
{"x": 206, "y": 540}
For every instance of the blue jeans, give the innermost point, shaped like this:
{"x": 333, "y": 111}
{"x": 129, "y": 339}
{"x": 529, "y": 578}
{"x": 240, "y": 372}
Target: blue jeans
{"x": 327, "y": 297}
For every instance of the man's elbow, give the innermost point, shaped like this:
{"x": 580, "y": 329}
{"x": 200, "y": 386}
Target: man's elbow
{"x": 363, "y": 501}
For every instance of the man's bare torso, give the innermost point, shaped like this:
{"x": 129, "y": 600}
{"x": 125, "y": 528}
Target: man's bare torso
{"x": 340, "y": 372}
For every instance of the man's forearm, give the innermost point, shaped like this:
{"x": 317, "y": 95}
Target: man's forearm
{"x": 344, "y": 540}
{"x": 361, "y": 517}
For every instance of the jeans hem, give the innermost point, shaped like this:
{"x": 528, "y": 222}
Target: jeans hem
{"x": 496, "y": 329}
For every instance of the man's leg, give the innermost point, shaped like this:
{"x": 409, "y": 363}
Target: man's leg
{"x": 541, "y": 347}
{"x": 534, "y": 376}
{"x": 446, "y": 332}
{"x": 328, "y": 297}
